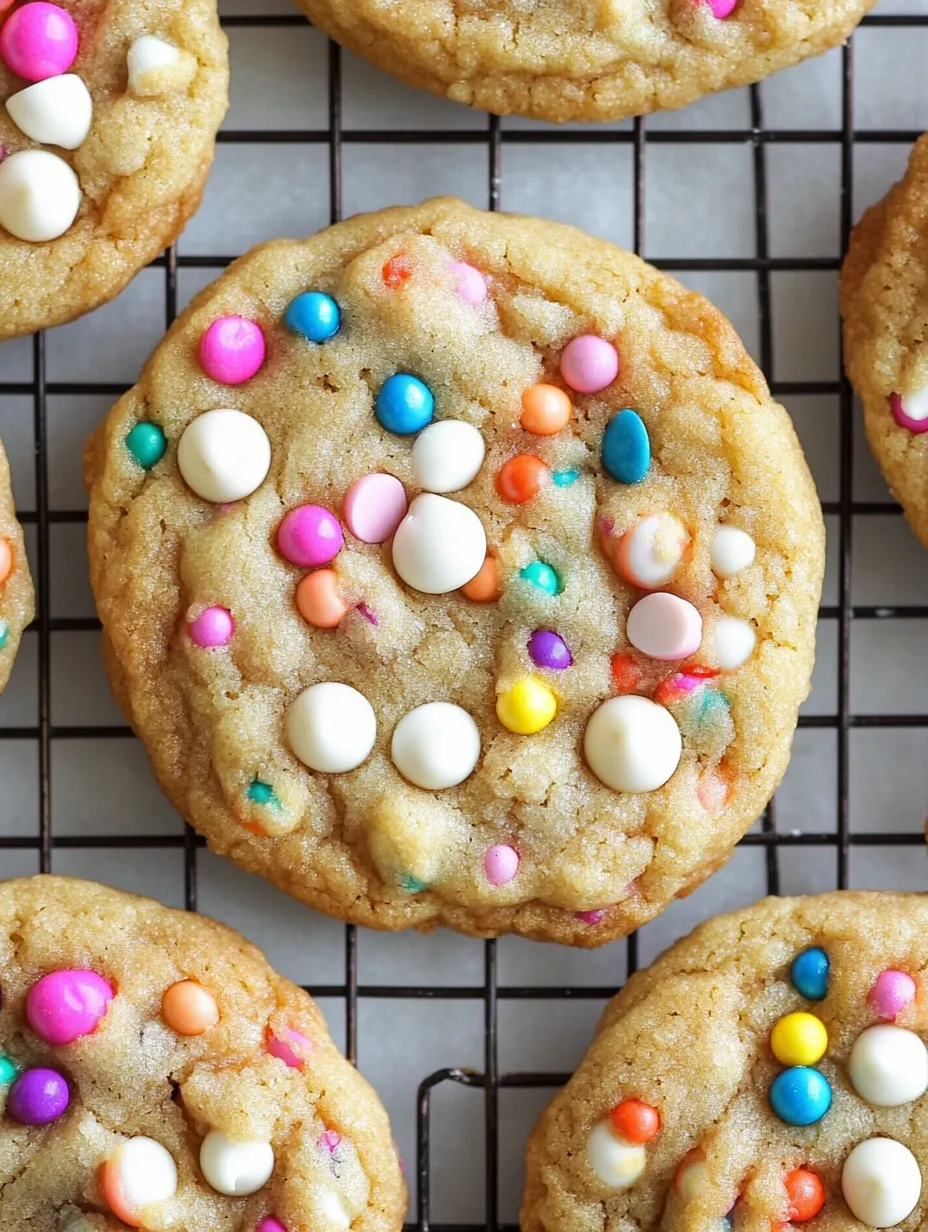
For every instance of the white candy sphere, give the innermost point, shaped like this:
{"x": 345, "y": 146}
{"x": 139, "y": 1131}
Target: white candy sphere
{"x": 57, "y": 111}
{"x": 439, "y": 545}
{"x": 650, "y": 552}
{"x": 447, "y": 456}
{"x": 888, "y": 1066}
{"x": 331, "y": 727}
{"x": 233, "y": 1167}
{"x": 732, "y": 551}
{"x": 881, "y": 1182}
{"x": 915, "y": 404}
{"x": 734, "y": 642}
{"x": 39, "y": 195}
{"x": 632, "y": 744}
{"x": 436, "y": 745}
{"x": 616, "y": 1164}
{"x": 144, "y": 1172}
{"x": 223, "y": 455}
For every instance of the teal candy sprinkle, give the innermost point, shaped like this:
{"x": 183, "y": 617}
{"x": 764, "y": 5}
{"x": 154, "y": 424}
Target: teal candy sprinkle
{"x": 147, "y": 443}
{"x": 563, "y": 479}
{"x": 262, "y": 793}
{"x": 626, "y": 448}
{"x": 412, "y": 885}
{"x": 4, "y": 633}
{"x": 542, "y": 576}
{"x": 712, "y": 702}
{"x": 7, "y": 1071}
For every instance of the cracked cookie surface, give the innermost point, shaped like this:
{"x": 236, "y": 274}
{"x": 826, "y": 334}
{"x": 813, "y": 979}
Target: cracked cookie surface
{"x": 155, "y": 1071}
{"x": 741, "y": 1081}
{"x": 584, "y": 59}
{"x": 16, "y": 597}
{"x": 558, "y": 746}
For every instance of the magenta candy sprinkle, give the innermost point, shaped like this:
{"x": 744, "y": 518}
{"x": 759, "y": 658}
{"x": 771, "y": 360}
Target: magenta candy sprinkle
{"x": 38, "y": 1097}
{"x": 65, "y": 1005}
{"x": 891, "y": 993}
{"x": 213, "y": 627}
{"x": 902, "y": 419}
{"x": 548, "y": 649}
{"x": 270, "y": 1224}
{"x": 471, "y": 284}
{"x": 310, "y": 535}
{"x": 589, "y": 364}
{"x": 501, "y": 863}
{"x": 232, "y": 350}
{"x": 369, "y": 615}
{"x": 331, "y": 1140}
{"x": 722, "y": 8}
{"x": 293, "y": 1057}
{"x": 591, "y": 917}
{"x": 39, "y": 41}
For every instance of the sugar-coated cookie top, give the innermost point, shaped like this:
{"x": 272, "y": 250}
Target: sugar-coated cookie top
{"x": 766, "y": 1071}
{"x": 458, "y": 568}
{"x": 155, "y": 1072}
{"x": 106, "y": 135}
{"x": 16, "y": 598}
{"x": 585, "y": 59}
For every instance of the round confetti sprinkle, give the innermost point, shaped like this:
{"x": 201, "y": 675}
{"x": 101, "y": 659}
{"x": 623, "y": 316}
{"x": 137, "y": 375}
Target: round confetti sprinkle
{"x": 546, "y": 410}
{"x": 309, "y": 535}
{"x": 146, "y": 443}
{"x": 800, "y": 1095}
{"x": 626, "y": 448}
{"x": 471, "y": 284}
{"x": 318, "y": 600}
{"x": 261, "y": 793}
{"x": 543, "y": 576}
{"x": 232, "y": 350}
{"x": 527, "y": 707}
{"x": 374, "y": 506}
{"x": 486, "y": 586}
{"x": 521, "y": 478}
{"x": 6, "y": 560}
{"x": 589, "y": 364}
{"x": 805, "y": 1194}
{"x": 313, "y": 315}
{"x": 635, "y": 1121}
{"x": 809, "y": 973}
{"x": 65, "y": 1005}
{"x": 292, "y": 1050}
{"x": 38, "y": 1097}
{"x": 548, "y": 649}
{"x": 892, "y": 993}
{"x": 188, "y": 1008}
{"x": 38, "y": 41}
{"x": 8, "y": 1071}
{"x": 799, "y": 1039}
{"x": 213, "y": 627}
{"x": 404, "y": 404}
{"x": 501, "y": 863}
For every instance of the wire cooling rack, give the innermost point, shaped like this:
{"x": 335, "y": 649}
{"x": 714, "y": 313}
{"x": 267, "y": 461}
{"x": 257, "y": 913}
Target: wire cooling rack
{"x": 834, "y": 815}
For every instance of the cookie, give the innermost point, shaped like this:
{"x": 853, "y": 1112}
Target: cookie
{"x": 106, "y": 136}
{"x": 765, "y": 1071}
{"x": 884, "y": 299}
{"x": 457, "y": 568}
{"x": 16, "y": 598}
{"x": 584, "y": 59}
{"x": 155, "y": 1072}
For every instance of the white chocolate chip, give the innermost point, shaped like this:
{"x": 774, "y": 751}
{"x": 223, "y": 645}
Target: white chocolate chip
{"x": 447, "y": 456}
{"x": 57, "y": 111}
{"x": 616, "y": 1164}
{"x": 156, "y": 67}
{"x": 233, "y": 1167}
{"x": 439, "y": 545}
{"x": 734, "y": 642}
{"x": 331, "y": 727}
{"x": 39, "y": 195}
{"x": 332, "y": 1210}
{"x": 888, "y": 1066}
{"x": 223, "y": 455}
{"x": 731, "y": 552}
{"x": 632, "y": 744}
{"x": 436, "y": 745}
{"x": 881, "y": 1182}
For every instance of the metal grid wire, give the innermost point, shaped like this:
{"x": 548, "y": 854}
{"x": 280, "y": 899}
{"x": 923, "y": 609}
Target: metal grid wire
{"x": 494, "y": 137}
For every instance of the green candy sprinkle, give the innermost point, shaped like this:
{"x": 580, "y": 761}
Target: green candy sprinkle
{"x": 542, "y": 576}
{"x": 262, "y": 793}
{"x": 4, "y": 633}
{"x": 412, "y": 885}
{"x": 147, "y": 443}
{"x": 563, "y": 479}
{"x": 8, "y": 1071}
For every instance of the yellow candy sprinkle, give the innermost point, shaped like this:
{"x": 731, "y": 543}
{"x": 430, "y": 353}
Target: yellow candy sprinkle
{"x": 526, "y": 708}
{"x": 799, "y": 1039}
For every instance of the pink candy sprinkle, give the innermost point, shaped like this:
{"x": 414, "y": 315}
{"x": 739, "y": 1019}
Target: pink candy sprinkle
{"x": 270, "y": 1224}
{"x": 471, "y": 284}
{"x": 39, "y": 41}
{"x": 589, "y": 364}
{"x": 213, "y": 627}
{"x": 891, "y": 993}
{"x": 501, "y": 863}
{"x": 309, "y": 535}
{"x": 331, "y": 1140}
{"x": 374, "y": 507}
{"x": 293, "y": 1057}
{"x": 591, "y": 917}
{"x": 65, "y": 1005}
{"x": 722, "y": 8}
{"x": 232, "y": 350}
{"x": 902, "y": 419}
{"x": 369, "y": 615}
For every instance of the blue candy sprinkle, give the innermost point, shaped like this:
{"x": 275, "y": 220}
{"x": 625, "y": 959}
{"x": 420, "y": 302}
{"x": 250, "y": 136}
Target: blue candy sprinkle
{"x": 315, "y": 315}
{"x": 4, "y": 633}
{"x": 800, "y": 1095}
{"x": 543, "y": 576}
{"x": 564, "y": 479}
{"x": 626, "y": 449}
{"x": 404, "y": 405}
{"x": 262, "y": 793}
{"x": 412, "y": 885}
{"x": 809, "y": 973}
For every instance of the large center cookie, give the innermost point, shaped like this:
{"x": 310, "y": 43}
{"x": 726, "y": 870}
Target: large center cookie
{"x": 16, "y": 597}
{"x": 155, "y": 1073}
{"x": 458, "y": 568}
{"x": 585, "y": 59}
{"x": 106, "y": 136}
{"x": 766, "y": 1071}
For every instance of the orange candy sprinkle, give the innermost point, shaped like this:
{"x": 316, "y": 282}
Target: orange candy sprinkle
{"x": 110, "y": 1183}
{"x": 189, "y": 1009}
{"x": 6, "y": 560}
{"x": 713, "y": 791}
{"x": 635, "y": 1121}
{"x": 626, "y": 674}
{"x": 521, "y": 478}
{"x": 486, "y": 586}
{"x": 318, "y": 600}
{"x": 546, "y": 410}
{"x": 806, "y": 1194}
{"x": 397, "y": 270}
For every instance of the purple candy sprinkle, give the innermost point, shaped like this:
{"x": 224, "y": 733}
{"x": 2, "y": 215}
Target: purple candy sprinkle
{"x": 547, "y": 649}
{"x": 591, "y": 917}
{"x": 38, "y": 1097}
